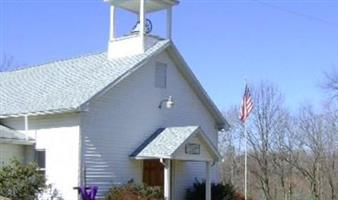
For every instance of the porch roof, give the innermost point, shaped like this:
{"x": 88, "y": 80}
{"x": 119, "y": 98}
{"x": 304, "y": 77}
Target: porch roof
{"x": 11, "y": 136}
{"x": 165, "y": 142}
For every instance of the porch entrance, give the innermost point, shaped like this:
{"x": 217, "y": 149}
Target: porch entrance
{"x": 153, "y": 172}
{"x": 187, "y": 143}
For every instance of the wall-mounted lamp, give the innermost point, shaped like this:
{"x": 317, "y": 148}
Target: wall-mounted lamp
{"x": 169, "y": 103}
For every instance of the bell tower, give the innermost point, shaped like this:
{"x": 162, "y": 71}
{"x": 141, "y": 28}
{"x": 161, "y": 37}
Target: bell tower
{"x": 139, "y": 40}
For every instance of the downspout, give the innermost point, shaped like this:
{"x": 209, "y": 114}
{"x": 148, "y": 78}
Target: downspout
{"x": 82, "y": 167}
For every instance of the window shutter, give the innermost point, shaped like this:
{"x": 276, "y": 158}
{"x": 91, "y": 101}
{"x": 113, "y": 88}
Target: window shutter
{"x": 161, "y": 75}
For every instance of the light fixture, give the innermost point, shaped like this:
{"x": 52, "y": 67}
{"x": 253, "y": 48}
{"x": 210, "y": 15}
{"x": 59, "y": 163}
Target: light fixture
{"x": 169, "y": 103}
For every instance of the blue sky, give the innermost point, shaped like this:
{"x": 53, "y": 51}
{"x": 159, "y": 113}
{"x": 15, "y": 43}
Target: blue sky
{"x": 290, "y": 43}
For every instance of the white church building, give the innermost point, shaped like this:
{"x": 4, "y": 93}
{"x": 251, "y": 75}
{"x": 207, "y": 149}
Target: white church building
{"x": 134, "y": 112}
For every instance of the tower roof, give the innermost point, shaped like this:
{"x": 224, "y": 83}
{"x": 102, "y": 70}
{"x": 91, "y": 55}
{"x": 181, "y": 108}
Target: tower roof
{"x": 150, "y": 5}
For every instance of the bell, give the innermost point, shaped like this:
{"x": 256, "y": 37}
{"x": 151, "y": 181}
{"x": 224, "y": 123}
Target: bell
{"x": 147, "y": 28}
{"x": 136, "y": 28}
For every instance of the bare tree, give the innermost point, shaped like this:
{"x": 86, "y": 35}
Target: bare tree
{"x": 291, "y": 157}
{"x": 6, "y": 62}
{"x": 330, "y": 149}
{"x": 230, "y": 148}
{"x": 284, "y": 170}
{"x": 331, "y": 82}
{"x": 309, "y": 154}
{"x": 268, "y": 119}
{"x": 267, "y": 128}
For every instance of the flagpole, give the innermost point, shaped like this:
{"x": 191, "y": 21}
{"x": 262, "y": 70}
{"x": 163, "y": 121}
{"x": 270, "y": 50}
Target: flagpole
{"x": 245, "y": 155}
{"x": 245, "y": 163}
{"x": 247, "y": 105}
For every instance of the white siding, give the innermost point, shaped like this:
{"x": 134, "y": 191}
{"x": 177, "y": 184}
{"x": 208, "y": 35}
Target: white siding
{"x": 188, "y": 110}
{"x": 115, "y": 125}
{"x": 11, "y": 151}
{"x": 119, "y": 121}
{"x": 59, "y": 136}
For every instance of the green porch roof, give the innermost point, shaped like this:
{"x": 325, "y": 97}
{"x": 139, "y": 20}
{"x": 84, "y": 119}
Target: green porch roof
{"x": 165, "y": 141}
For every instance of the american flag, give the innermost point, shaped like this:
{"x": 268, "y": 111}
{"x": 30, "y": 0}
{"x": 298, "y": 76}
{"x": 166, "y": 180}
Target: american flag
{"x": 247, "y": 105}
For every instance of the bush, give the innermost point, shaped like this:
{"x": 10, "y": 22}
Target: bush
{"x": 239, "y": 196}
{"x": 50, "y": 193}
{"x": 132, "y": 191}
{"x": 219, "y": 191}
{"x": 21, "y": 182}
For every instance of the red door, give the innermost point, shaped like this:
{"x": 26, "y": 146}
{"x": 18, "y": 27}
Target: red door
{"x": 153, "y": 173}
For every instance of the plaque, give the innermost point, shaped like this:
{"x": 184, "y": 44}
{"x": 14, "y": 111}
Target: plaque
{"x": 193, "y": 149}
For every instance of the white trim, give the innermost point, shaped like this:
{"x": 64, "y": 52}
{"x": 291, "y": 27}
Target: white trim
{"x": 150, "y": 157}
{"x": 37, "y": 113}
{"x": 18, "y": 142}
{"x": 164, "y": 3}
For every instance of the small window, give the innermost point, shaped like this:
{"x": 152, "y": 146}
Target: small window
{"x": 40, "y": 159}
{"x": 161, "y": 75}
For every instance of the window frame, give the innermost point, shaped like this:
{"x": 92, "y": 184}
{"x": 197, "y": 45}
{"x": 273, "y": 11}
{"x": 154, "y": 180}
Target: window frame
{"x": 161, "y": 75}
{"x": 36, "y": 160}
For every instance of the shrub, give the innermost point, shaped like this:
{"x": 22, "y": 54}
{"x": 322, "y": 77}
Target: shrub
{"x": 132, "y": 191}
{"x": 219, "y": 191}
{"x": 21, "y": 182}
{"x": 239, "y": 196}
{"x": 50, "y": 193}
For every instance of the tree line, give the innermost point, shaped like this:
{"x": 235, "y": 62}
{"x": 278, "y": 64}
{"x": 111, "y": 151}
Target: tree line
{"x": 291, "y": 156}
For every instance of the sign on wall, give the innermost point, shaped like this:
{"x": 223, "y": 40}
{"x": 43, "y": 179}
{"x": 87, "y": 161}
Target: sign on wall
{"x": 193, "y": 148}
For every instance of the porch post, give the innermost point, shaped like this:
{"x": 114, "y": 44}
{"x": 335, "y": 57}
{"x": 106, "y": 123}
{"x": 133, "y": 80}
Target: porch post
{"x": 207, "y": 181}
{"x": 169, "y": 23}
{"x": 142, "y": 23}
{"x": 167, "y": 177}
{"x": 112, "y": 34}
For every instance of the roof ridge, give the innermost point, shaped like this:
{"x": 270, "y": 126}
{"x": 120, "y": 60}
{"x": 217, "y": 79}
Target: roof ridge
{"x": 29, "y": 67}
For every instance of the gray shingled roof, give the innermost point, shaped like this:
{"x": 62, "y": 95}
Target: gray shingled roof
{"x": 64, "y": 85}
{"x": 164, "y": 142}
{"x": 12, "y": 136}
